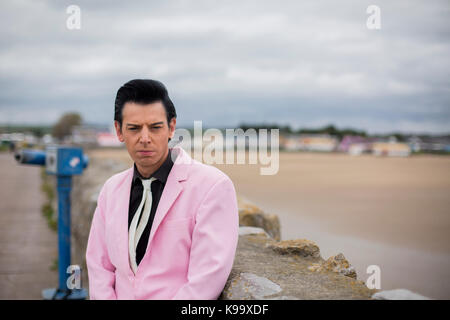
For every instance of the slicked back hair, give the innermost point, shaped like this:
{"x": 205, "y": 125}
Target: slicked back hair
{"x": 143, "y": 91}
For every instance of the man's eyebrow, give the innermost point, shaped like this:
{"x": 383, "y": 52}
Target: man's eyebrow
{"x": 138, "y": 125}
{"x": 157, "y": 123}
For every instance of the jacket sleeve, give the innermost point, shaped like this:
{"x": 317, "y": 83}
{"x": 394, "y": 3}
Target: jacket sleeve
{"x": 214, "y": 242}
{"x": 100, "y": 269}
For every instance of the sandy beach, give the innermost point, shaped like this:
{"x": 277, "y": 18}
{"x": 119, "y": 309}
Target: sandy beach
{"x": 390, "y": 212}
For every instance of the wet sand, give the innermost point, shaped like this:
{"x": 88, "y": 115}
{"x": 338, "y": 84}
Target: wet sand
{"x": 391, "y": 212}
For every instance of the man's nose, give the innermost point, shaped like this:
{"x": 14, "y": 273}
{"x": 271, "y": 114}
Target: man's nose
{"x": 145, "y": 136}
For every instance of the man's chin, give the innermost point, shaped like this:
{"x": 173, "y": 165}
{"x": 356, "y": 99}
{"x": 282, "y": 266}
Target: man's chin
{"x": 146, "y": 161}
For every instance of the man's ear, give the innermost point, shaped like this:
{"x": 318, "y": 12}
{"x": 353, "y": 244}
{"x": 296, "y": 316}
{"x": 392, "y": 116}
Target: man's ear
{"x": 172, "y": 125}
{"x": 118, "y": 131}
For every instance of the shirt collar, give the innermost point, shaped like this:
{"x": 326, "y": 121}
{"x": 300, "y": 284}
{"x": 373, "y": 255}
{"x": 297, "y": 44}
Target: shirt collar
{"x": 161, "y": 173}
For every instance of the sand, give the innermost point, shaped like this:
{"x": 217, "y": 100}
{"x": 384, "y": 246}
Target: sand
{"x": 391, "y": 212}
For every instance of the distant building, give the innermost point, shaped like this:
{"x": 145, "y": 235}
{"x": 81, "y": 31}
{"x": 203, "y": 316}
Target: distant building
{"x": 355, "y": 149}
{"x": 290, "y": 142}
{"x": 95, "y": 135}
{"x": 108, "y": 139}
{"x": 391, "y": 149}
{"x": 319, "y": 142}
{"x": 429, "y": 143}
{"x": 19, "y": 139}
{"x": 324, "y": 143}
{"x": 355, "y": 145}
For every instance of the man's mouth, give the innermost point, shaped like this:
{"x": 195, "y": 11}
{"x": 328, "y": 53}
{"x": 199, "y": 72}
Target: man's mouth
{"x": 146, "y": 152}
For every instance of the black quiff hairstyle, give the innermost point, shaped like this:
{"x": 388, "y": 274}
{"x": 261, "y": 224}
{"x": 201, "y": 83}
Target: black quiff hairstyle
{"x": 143, "y": 91}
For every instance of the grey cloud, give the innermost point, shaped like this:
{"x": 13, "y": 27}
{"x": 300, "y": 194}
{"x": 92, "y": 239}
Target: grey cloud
{"x": 294, "y": 62}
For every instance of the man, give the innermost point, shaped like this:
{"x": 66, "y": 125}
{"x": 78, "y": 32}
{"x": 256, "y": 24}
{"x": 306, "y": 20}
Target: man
{"x": 167, "y": 228}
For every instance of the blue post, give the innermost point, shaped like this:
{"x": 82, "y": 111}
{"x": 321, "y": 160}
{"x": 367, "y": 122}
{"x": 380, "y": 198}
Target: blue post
{"x": 64, "y": 187}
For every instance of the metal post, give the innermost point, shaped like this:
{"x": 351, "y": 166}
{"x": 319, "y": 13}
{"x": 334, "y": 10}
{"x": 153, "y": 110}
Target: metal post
{"x": 64, "y": 187}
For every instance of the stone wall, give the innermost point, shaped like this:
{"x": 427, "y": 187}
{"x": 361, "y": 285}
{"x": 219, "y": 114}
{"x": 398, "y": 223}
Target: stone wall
{"x": 267, "y": 269}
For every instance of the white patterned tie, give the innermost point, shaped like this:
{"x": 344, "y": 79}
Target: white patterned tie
{"x": 136, "y": 230}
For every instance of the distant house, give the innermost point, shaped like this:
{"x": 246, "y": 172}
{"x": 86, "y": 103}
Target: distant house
{"x": 290, "y": 142}
{"x": 95, "y": 135}
{"x": 355, "y": 145}
{"x": 319, "y": 142}
{"x": 429, "y": 143}
{"x": 355, "y": 149}
{"x": 391, "y": 149}
{"x": 19, "y": 139}
{"x": 85, "y": 134}
{"x": 108, "y": 139}
{"x": 324, "y": 143}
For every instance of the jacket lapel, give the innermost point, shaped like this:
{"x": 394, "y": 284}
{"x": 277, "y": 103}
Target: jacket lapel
{"x": 122, "y": 207}
{"x": 171, "y": 191}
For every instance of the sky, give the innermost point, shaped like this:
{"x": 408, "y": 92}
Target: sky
{"x": 298, "y": 63}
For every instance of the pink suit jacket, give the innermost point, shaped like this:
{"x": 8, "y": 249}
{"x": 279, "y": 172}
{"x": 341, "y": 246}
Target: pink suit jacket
{"x": 192, "y": 241}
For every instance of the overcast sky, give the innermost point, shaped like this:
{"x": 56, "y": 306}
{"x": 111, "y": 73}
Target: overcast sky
{"x": 302, "y": 63}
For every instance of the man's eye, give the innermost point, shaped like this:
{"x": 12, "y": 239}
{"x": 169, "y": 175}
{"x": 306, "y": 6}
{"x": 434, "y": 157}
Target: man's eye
{"x": 133, "y": 129}
{"x": 156, "y": 127}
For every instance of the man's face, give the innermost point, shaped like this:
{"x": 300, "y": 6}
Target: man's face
{"x": 146, "y": 132}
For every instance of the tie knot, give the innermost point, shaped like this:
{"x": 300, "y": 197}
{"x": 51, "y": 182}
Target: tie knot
{"x": 147, "y": 182}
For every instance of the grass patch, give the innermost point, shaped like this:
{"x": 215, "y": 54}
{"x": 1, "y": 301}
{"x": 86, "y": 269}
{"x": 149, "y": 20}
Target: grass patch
{"x": 47, "y": 208}
{"x": 54, "y": 266}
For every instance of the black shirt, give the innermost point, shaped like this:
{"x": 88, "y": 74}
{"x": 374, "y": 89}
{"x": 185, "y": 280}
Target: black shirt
{"x": 157, "y": 187}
